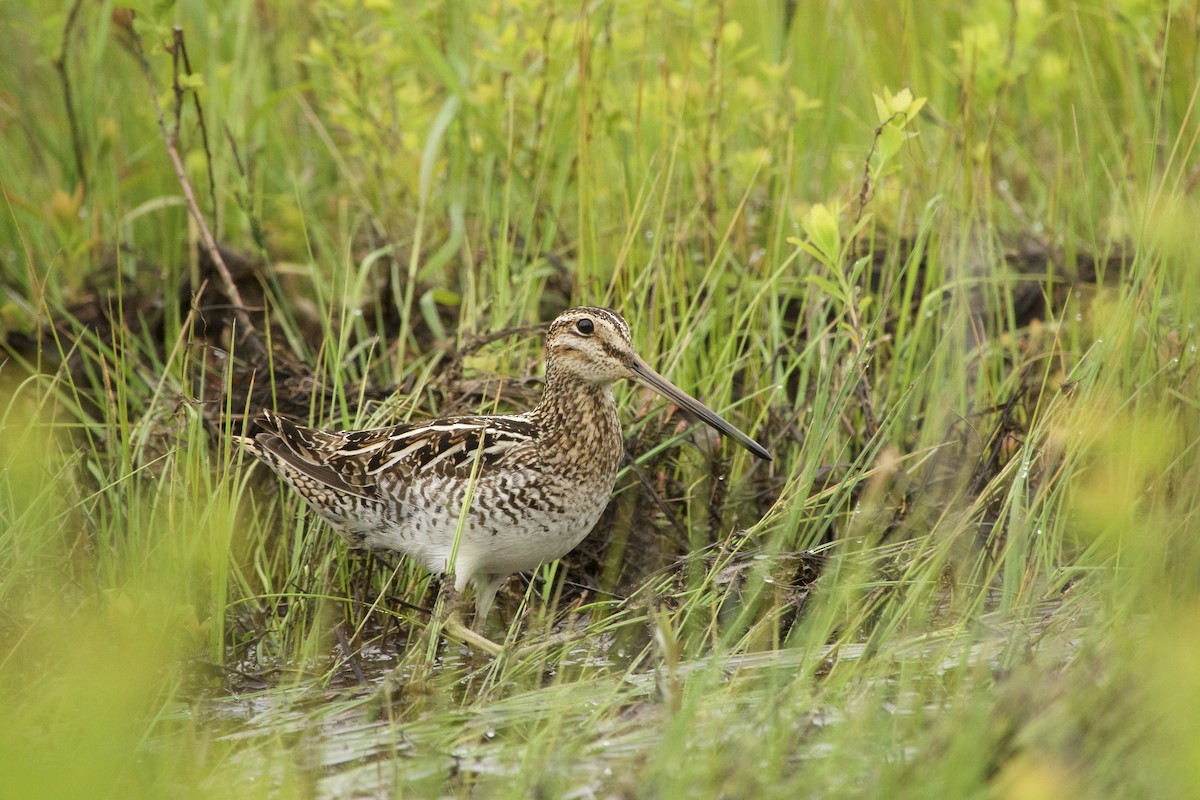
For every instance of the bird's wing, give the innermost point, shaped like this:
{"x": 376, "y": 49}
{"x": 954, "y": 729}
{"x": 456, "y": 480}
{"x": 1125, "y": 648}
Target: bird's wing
{"x": 354, "y": 462}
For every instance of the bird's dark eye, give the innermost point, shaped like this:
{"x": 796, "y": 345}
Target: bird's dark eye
{"x": 585, "y": 326}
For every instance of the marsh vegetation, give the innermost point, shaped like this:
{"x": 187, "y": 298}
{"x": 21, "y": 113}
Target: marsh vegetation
{"x": 941, "y": 263}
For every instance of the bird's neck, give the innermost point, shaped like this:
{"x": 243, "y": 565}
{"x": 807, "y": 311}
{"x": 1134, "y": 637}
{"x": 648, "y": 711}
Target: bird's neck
{"x": 580, "y": 415}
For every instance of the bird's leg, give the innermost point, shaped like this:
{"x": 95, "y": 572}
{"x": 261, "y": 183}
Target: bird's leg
{"x": 486, "y": 587}
{"x": 456, "y": 628}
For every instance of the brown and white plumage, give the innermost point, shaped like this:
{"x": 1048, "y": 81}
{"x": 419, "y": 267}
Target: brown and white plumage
{"x": 512, "y": 491}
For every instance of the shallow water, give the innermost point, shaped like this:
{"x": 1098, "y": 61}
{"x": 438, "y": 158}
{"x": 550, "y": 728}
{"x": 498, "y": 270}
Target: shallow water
{"x": 461, "y": 726}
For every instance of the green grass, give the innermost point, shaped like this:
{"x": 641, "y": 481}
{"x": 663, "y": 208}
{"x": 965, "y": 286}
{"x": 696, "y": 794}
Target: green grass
{"x": 969, "y": 572}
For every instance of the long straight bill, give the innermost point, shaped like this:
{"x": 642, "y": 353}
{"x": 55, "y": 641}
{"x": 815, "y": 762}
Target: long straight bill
{"x": 694, "y": 407}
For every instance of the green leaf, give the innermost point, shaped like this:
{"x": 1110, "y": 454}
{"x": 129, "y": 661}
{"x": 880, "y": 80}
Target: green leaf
{"x": 821, "y": 225}
{"x": 193, "y": 82}
{"x": 827, "y": 286}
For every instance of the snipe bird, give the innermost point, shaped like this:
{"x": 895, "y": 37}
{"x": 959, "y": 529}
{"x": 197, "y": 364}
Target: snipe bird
{"x": 483, "y": 497}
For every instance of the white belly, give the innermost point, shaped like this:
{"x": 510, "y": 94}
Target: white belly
{"x": 509, "y": 527}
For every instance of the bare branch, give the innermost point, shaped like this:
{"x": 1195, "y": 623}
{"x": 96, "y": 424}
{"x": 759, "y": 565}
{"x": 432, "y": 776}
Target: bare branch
{"x": 170, "y": 138}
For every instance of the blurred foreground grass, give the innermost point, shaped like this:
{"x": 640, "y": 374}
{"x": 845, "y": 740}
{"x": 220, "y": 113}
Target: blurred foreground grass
{"x": 962, "y": 316}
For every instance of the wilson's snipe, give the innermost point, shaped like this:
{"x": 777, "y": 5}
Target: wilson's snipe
{"x": 484, "y": 497}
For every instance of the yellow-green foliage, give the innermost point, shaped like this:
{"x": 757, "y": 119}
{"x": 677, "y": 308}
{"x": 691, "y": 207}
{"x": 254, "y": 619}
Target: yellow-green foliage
{"x": 828, "y": 220}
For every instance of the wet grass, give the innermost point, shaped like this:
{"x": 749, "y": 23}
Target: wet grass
{"x": 962, "y": 319}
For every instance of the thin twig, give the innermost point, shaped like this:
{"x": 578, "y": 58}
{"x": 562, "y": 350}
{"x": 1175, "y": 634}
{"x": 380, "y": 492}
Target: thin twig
{"x": 475, "y": 342}
{"x": 249, "y": 332}
{"x": 243, "y": 197}
{"x": 179, "y": 51}
{"x": 865, "y": 194}
{"x": 650, "y": 488}
{"x": 60, "y": 64}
